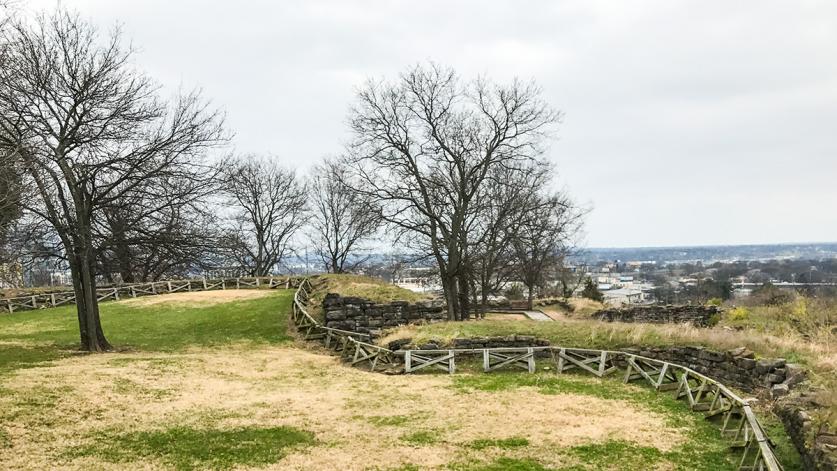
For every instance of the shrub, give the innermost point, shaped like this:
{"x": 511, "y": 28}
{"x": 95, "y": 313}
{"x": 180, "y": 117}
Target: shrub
{"x": 591, "y": 291}
{"x": 738, "y": 314}
{"x": 715, "y": 302}
{"x": 514, "y": 292}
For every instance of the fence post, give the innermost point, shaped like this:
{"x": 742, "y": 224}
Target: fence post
{"x": 531, "y": 362}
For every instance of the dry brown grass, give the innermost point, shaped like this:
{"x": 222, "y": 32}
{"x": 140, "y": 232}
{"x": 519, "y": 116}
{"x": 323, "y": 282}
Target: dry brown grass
{"x": 198, "y": 298}
{"x": 583, "y": 307}
{"x": 595, "y": 334}
{"x": 272, "y": 386}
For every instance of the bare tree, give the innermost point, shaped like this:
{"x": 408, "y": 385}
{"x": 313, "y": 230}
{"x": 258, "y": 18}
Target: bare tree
{"x": 508, "y": 197}
{"x": 165, "y": 230}
{"x": 424, "y": 147}
{"x": 342, "y": 219}
{"x": 545, "y": 235}
{"x": 88, "y": 130}
{"x": 269, "y": 205}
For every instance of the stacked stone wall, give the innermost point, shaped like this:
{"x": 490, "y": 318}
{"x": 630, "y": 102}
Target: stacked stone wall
{"x": 701, "y": 316}
{"x": 361, "y": 315}
{"x": 737, "y": 368}
{"x": 816, "y": 444}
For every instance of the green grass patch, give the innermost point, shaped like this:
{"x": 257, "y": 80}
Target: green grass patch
{"x": 422, "y": 437}
{"x": 503, "y": 464}
{"x": 403, "y": 467}
{"x": 5, "y": 440}
{"x": 31, "y": 338}
{"x": 186, "y": 448}
{"x": 615, "y": 454}
{"x": 16, "y": 356}
{"x": 785, "y": 450}
{"x": 503, "y": 443}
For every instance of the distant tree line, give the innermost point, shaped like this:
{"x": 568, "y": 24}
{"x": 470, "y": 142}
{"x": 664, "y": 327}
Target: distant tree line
{"x": 103, "y": 176}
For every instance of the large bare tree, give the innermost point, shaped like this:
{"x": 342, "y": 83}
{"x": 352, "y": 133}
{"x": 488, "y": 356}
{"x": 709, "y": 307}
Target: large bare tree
{"x": 341, "y": 219}
{"x": 268, "y": 204}
{"x": 89, "y": 129}
{"x": 424, "y": 147}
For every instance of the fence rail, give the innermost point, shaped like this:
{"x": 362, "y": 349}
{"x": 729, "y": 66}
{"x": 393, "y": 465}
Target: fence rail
{"x": 44, "y": 300}
{"x": 703, "y": 394}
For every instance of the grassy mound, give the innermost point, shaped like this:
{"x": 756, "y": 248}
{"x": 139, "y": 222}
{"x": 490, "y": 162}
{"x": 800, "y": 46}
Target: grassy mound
{"x": 31, "y": 337}
{"x": 372, "y": 289}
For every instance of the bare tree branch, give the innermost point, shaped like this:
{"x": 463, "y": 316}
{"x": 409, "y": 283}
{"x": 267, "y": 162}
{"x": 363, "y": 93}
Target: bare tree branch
{"x": 341, "y": 219}
{"x": 269, "y": 205}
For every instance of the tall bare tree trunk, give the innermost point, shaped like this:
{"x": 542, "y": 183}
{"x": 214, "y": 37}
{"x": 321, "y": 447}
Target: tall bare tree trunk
{"x": 81, "y": 306}
{"x": 530, "y": 303}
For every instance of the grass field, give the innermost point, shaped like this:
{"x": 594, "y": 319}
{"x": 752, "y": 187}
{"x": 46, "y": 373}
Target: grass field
{"x": 202, "y": 381}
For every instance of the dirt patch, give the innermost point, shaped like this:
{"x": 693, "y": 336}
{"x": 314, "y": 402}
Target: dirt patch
{"x": 273, "y": 386}
{"x": 199, "y": 298}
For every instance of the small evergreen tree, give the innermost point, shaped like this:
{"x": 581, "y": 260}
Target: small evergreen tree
{"x": 591, "y": 291}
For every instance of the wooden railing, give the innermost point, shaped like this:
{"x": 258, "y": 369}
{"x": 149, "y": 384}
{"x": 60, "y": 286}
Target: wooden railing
{"x": 44, "y": 300}
{"x": 702, "y": 393}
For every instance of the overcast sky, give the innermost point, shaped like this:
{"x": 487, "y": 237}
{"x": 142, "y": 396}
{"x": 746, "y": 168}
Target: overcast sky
{"x": 686, "y": 122}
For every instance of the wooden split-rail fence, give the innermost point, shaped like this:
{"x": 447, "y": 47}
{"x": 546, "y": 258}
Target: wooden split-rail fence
{"x": 44, "y": 300}
{"x": 737, "y": 421}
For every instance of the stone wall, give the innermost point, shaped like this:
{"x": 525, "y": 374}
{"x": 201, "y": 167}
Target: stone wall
{"x": 737, "y": 368}
{"x": 818, "y": 447}
{"x": 361, "y": 315}
{"x": 701, "y": 316}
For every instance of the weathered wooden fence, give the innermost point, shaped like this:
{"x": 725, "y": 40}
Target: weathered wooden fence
{"x": 44, "y": 300}
{"x": 703, "y": 394}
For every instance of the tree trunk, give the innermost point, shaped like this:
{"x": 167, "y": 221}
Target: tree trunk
{"x": 531, "y": 300}
{"x": 90, "y": 325}
{"x": 464, "y": 298}
{"x": 452, "y": 297}
{"x": 81, "y": 308}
